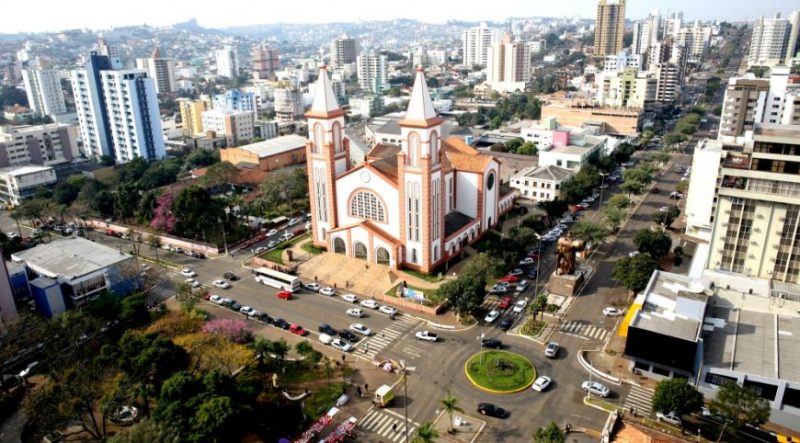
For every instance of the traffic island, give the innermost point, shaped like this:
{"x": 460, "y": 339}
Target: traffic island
{"x": 500, "y": 372}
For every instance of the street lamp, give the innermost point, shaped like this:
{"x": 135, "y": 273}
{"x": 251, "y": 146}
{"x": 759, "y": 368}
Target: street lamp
{"x": 538, "y": 269}
{"x": 404, "y": 371}
{"x": 602, "y": 183}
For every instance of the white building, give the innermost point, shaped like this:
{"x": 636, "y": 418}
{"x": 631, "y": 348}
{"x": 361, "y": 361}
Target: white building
{"x": 236, "y": 126}
{"x": 20, "y": 182}
{"x": 372, "y": 74}
{"x": 365, "y": 106}
{"x": 38, "y": 145}
{"x": 696, "y": 40}
{"x": 537, "y": 46}
{"x": 437, "y": 57}
{"x": 541, "y": 183}
{"x": 288, "y": 104}
{"x": 43, "y": 87}
{"x": 646, "y": 33}
{"x": 770, "y": 43}
{"x": 622, "y": 61}
{"x": 161, "y": 69}
{"x": 628, "y": 89}
{"x": 700, "y": 201}
{"x": 508, "y": 66}
{"x": 227, "y": 62}
{"x": 235, "y": 100}
{"x": 476, "y": 42}
{"x": 344, "y": 51}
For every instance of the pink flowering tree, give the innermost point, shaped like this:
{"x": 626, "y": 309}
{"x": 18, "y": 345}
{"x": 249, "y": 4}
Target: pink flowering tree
{"x": 234, "y": 330}
{"x": 163, "y": 219}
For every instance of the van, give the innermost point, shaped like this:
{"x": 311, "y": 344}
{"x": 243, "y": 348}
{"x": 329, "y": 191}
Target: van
{"x": 383, "y": 396}
{"x": 325, "y": 339}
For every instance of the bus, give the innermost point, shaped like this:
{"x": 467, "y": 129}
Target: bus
{"x": 277, "y": 279}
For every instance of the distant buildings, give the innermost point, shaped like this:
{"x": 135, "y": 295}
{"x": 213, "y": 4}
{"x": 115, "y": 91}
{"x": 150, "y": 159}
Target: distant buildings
{"x": 476, "y": 43}
{"x": 20, "y": 182}
{"x": 646, "y": 33}
{"x": 630, "y": 88}
{"x": 236, "y": 126}
{"x": 265, "y": 61}
{"x": 609, "y": 27}
{"x": 161, "y": 69}
{"x": 43, "y": 87}
{"x": 227, "y": 62}
{"x": 8, "y": 308}
{"x": 42, "y": 145}
{"x": 372, "y": 74}
{"x": 623, "y": 60}
{"x": 268, "y": 155}
{"x": 774, "y": 40}
{"x": 610, "y": 120}
{"x": 192, "y": 115}
{"x": 365, "y": 106}
{"x": 343, "y": 52}
{"x": 117, "y": 111}
{"x": 288, "y": 104}
{"x": 508, "y": 66}
{"x": 235, "y": 100}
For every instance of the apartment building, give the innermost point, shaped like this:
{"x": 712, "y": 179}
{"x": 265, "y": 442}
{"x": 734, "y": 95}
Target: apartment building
{"x": 630, "y": 88}
{"x": 192, "y": 115}
{"x": 266, "y": 60}
{"x": 288, "y": 104}
{"x": 161, "y": 69}
{"x": 372, "y": 74}
{"x": 227, "y": 61}
{"x": 42, "y": 145}
{"x": 235, "y": 100}
{"x": 344, "y": 51}
{"x": 508, "y": 65}
{"x": 623, "y": 60}
{"x": 43, "y": 87}
{"x": 236, "y": 126}
{"x": 609, "y": 28}
{"x": 646, "y": 33}
{"x": 773, "y": 40}
{"x": 475, "y": 43}
{"x": 20, "y": 182}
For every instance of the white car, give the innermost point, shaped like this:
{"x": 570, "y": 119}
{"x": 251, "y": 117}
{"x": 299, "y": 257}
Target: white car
{"x": 188, "y": 272}
{"x": 527, "y": 261}
{"x": 371, "y": 304}
{"x": 272, "y": 232}
{"x": 350, "y": 298}
{"x": 294, "y": 221}
{"x": 427, "y": 336}
{"x": 676, "y": 194}
{"x": 388, "y": 310}
{"x": 192, "y": 282}
{"x": 315, "y": 287}
{"x": 611, "y": 311}
{"x": 492, "y": 316}
{"x": 633, "y": 254}
{"x": 25, "y": 372}
{"x": 287, "y": 236}
{"x": 260, "y": 250}
{"x": 216, "y": 299}
{"x": 327, "y": 290}
{"x": 521, "y": 285}
{"x": 358, "y": 328}
{"x": 247, "y": 310}
{"x": 222, "y": 284}
{"x": 12, "y": 235}
{"x": 355, "y": 312}
{"x": 341, "y": 345}
{"x": 664, "y": 208}
{"x": 593, "y": 387}
{"x": 671, "y": 418}
{"x": 541, "y": 383}
{"x": 519, "y": 306}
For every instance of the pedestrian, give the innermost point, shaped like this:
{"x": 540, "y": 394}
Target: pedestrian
{"x": 358, "y": 390}
{"x": 394, "y": 427}
{"x": 342, "y": 358}
{"x": 315, "y": 278}
{"x": 366, "y": 387}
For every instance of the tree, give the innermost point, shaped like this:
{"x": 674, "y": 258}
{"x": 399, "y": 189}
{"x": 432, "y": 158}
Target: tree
{"x": 126, "y": 200}
{"x": 590, "y": 231}
{"x": 425, "y": 434}
{"x": 632, "y": 187}
{"x": 285, "y": 190}
{"x": 618, "y": 201}
{"x": 554, "y": 208}
{"x": 657, "y": 244}
{"x": 676, "y": 395}
{"x": 739, "y": 406}
{"x": 614, "y": 216}
{"x": 528, "y": 148}
{"x": 159, "y": 173}
{"x": 163, "y": 218}
{"x": 549, "y": 434}
{"x": 450, "y": 405}
{"x": 639, "y": 173}
{"x": 667, "y": 217}
{"x": 195, "y": 210}
{"x": 482, "y": 267}
{"x": 634, "y": 272}
{"x": 146, "y": 431}
{"x": 464, "y": 293}
{"x": 220, "y": 174}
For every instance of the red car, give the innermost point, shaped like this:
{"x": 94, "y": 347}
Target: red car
{"x": 505, "y": 302}
{"x": 297, "y": 330}
{"x": 510, "y": 279}
{"x": 533, "y": 254}
{"x": 286, "y": 295}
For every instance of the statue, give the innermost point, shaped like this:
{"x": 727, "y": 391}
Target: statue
{"x": 565, "y": 250}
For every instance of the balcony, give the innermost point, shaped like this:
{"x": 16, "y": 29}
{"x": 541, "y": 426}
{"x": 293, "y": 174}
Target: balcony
{"x": 737, "y": 162}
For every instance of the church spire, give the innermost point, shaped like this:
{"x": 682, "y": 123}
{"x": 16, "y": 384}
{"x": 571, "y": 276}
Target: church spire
{"x": 325, "y": 104}
{"x": 420, "y": 108}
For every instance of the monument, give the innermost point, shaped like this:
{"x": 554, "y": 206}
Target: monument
{"x": 565, "y": 280}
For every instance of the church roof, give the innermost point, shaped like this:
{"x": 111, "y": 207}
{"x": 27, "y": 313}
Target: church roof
{"x": 372, "y": 227}
{"x": 420, "y": 111}
{"x": 387, "y": 166}
{"x": 383, "y": 150}
{"x": 463, "y": 157}
{"x": 324, "y": 104}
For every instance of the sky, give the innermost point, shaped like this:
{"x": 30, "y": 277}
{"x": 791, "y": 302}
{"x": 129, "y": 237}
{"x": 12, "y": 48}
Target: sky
{"x": 54, "y": 15}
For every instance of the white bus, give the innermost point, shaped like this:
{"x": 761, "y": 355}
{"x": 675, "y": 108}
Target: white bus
{"x": 276, "y": 279}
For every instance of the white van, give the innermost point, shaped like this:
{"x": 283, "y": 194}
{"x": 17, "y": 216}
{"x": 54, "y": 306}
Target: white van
{"x": 325, "y": 339}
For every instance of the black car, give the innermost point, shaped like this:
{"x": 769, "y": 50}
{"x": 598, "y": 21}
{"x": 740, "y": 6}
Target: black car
{"x": 235, "y": 306}
{"x": 348, "y": 335}
{"x": 230, "y": 276}
{"x": 492, "y": 343}
{"x": 280, "y": 323}
{"x": 264, "y": 317}
{"x": 327, "y": 329}
{"x": 492, "y": 410}
{"x": 505, "y": 324}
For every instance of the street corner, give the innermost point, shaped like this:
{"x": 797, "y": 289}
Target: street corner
{"x": 458, "y": 427}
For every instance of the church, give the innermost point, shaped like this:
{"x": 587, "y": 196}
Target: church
{"x": 411, "y": 206}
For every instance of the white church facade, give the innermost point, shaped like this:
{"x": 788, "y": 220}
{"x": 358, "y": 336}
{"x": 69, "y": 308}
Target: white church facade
{"x": 410, "y": 206}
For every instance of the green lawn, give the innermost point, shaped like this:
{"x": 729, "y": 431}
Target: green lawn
{"x": 430, "y": 295}
{"x": 533, "y": 327}
{"x": 433, "y": 278}
{"x": 323, "y": 399}
{"x": 276, "y": 255}
{"x": 500, "y": 371}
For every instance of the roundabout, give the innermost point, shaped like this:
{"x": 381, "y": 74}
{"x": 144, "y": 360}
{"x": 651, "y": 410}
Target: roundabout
{"x": 500, "y": 372}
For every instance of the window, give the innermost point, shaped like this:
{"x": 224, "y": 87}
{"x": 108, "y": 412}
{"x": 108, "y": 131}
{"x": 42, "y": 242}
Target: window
{"x": 382, "y": 256}
{"x": 338, "y": 246}
{"x": 413, "y": 149}
{"x": 367, "y": 205}
{"x": 434, "y": 148}
{"x": 319, "y": 137}
{"x": 360, "y": 250}
{"x": 337, "y": 137}
{"x": 490, "y": 181}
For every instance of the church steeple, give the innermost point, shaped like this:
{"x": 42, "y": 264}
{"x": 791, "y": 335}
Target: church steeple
{"x": 325, "y": 105}
{"x": 420, "y": 111}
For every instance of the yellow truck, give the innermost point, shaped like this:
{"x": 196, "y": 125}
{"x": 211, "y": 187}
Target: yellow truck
{"x": 383, "y": 396}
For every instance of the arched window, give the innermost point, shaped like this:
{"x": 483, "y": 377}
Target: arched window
{"x": 434, "y": 148}
{"x": 338, "y": 246}
{"x": 337, "y": 137}
{"x": 367, "y": 205}
{"x": 382, "y": 256}
{"x": 413, "y": 149}
{"x": 360, "y": 250}
{"x": 319, "y": 137}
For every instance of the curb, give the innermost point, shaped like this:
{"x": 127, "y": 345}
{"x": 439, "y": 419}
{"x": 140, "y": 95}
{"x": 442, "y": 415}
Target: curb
{"x": 610, "y": 378}
{"x": 446, "y": 327}
{"x": 493, "y": 391}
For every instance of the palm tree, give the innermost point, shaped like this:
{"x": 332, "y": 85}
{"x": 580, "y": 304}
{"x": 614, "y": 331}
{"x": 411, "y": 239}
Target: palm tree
{"x": 426, "y": 434}
{"x": 450, "y": 404}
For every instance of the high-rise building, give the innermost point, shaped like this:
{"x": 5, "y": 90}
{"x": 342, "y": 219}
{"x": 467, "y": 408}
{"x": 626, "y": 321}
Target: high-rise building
{"x": 117, "y": 111}
{"x": 43, "y": 87}
{"x": 372, "y": 74}
{"x": 236, "y": 126}
{"x": 672, "y": 25}
{"x": 42, "y": 145}
{"x": 161, "y": 69}
{"x": 770, "y": 42}
{"x": 192, "y": 115}
{"x": 629, "y": 89}
{"x": 236, "y": 100}
{"x": 696, "y": 40}
{"x": 508, "y": 65}
{"x": 112, "y": 52}
{"x": 667, "y": 62}
{"x": 265, "y": 61}
{"x": 288, "y": 104}
{"x": 344, "y": 51}
{"x": 476, "y": 43}
{"x": 609, "y": 28}
{"x": 622, "y": 61}
{"x": 793, "y": 45}
{"x": 646, "y": 33}
{"x": 227, "y": 62}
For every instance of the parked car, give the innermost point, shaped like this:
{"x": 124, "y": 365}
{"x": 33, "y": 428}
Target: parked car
{"x": 516, "y": 272}
{"x": 388, "y": 310}
{"x": 527, "y": 261}
{"x": 491, "y": 316}
{"x": 281, "y": 323}
{"x": 671, "y": 418}
{"x": 551, "y": 350}
{"x": 263, "y": 317}
{"x": 192, "y": 282}
{"x": 509, "y": 279}
{"x": 676, "y": 194}
{"x": 355, "y": 312}
{"x": 427, "y": 336}
{"x": 325, "y": 339}
{"x": 492, "y": 410}
{"x": 272, "y": 232}
{"x": 519, "y": 306}
{"x": 284, "y": 295}
{"x": 596, "y": 388}
{"x": 286, "y": 236}
{"x": 313, "y": 287}
{"x": 261, "y": 250}
{"x": 350, "y": 298}
{"x": 294, "y": 221}
{"x": 326, "y": 329}
{"x": 358, "y": 328}
{"x": 297, "y": 330}
{"x": 521, "y": 285}
{"x": 348, "y": 335}
{"x": 188, "y": 272}
{"x": 370, "y": 304}
{"x": 230, "y": 276}
{"x": 247, "y": 310}
{"x": 235, "y": 306}
{"x": 532, "y": 273}
{"x": 492, "y": 343}
{"x": 341, "y": 345}
{"x": 220, "y": 283}
{"x": 505, "y": 324}
{"x": 216, "y": 299}
{"x": 505, "y": 302}
{"x": 498, "y": 289}
{"x": 611, "y": 311}
{"x": 327, "y": 290}
{"x": 541, "y": 383}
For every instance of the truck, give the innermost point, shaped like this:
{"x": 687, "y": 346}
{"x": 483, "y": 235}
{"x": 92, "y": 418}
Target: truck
{"x": 383, "y": 396}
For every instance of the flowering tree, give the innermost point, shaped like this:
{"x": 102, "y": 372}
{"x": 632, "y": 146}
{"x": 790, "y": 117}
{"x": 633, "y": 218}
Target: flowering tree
{"x": 163, "y": 219}
{"x": 234, "y": 330}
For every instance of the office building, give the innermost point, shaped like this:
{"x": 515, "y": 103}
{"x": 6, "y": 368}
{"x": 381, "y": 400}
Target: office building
{"x": 235, "y": 100}
{"x": 227, "y": 62}
{"x": 343, "y": 52}
{"x": 609, "y": 28}
{"x": 192, "y": 115}
{"x": 20, "y": 182}
{"x": 266, "y": 61}
{"x": 236, "y": 126}
{"x": 268, "y": 155}
{"x": 288, "y": 104}
{"x": 161, "y": 69}
{"x": 508, "y": 65}
{"x": 476, "y": 43}
{"x": 701, "y": 198}
{"x": 372, "y": 74}
{"x": 770, "y": 43}
{"x": 42, "y": 145}
{"x": 117, "y": 111}
{"x": 630, "y": 88}
{"x": 43, "y": 87}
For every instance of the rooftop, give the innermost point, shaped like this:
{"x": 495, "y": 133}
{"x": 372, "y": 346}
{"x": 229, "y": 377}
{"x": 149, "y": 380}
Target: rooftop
{"x": 69, "y": 257}
{"x": 554, "y": 173}
{"x": 276, "y": 146}
{"x": 570, "y": 150}
{"x": 777, "y": 133}
{"x": 672, "y": 304}
{"x": 454, "y": 221}
{"x": 24, "y": 170}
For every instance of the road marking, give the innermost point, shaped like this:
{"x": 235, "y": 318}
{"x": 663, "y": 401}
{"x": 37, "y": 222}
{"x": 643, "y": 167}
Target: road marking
{"x": 380, "y": 421}
{"x": 579, "y": 328}
{"x": 412, "y": 352}
{"x": 640, "y": 398}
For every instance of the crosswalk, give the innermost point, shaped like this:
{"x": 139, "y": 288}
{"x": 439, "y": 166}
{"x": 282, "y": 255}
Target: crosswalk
{"x": 387, "y": 424}
{"x": 583, "y": 329}
{"x": 641, "y": 399}
{"x": 376, "y": 343}
{"x": 160, "y": 293}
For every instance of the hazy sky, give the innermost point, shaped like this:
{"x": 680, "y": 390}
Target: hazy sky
{"x": 52, "y": 15}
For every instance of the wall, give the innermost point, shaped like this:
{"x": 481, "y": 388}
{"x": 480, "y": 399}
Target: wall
{"x": 385, "y": 191}
{"x": 617, "y": 122}
{"x": 466, "y": 193}
{"x": 118, "y": 228}
{"x": 490, "y": 216}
